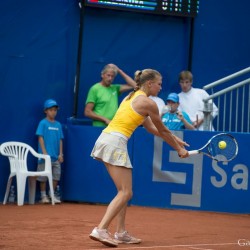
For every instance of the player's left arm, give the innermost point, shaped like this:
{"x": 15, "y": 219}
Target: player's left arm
{"x": 154, "y": 125}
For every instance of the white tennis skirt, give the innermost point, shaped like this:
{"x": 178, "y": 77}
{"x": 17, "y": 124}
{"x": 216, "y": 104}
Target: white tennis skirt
{"x": 112, "y": 148}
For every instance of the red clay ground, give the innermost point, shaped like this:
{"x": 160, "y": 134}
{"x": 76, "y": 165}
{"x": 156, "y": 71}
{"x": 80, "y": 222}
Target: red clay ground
{"x": 67, "y": 226}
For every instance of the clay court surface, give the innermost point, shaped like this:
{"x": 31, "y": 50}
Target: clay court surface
{"x": 67, "y": 226}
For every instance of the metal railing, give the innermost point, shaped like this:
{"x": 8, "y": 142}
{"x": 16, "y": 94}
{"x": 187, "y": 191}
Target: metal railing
{"x": 233, "y": 103}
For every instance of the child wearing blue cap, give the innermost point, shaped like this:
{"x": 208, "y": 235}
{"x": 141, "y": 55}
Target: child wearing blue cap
{"x": 174, "y": 119}
{"x": 50, "y": 142}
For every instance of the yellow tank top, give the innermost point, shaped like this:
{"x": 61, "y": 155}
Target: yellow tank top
{"x": 126, "y": 119}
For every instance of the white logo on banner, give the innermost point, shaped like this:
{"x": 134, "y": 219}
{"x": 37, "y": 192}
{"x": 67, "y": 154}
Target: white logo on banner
{"x": 238, "y": 181}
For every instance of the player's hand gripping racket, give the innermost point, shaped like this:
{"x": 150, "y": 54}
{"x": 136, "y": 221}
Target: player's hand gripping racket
{"x": 221, "y": 147}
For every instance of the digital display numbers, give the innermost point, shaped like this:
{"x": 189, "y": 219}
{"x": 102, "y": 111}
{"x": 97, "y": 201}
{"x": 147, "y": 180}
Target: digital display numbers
{"x": 187, "y": 8}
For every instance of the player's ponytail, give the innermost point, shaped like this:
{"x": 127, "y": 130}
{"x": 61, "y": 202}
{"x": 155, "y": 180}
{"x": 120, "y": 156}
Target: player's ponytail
{"x": 142, "y": 76}
{"x": 138, "y": 84}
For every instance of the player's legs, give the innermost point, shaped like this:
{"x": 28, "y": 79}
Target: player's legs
{"x": 122, "y": 178}
{"x": 121, "y": 235}
{"x": 123, "y": 181}
{"x": 121, "y": 219}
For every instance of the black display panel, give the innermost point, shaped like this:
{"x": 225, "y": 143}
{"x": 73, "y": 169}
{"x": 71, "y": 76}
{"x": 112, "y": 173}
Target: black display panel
{"x": 187, "y": 8}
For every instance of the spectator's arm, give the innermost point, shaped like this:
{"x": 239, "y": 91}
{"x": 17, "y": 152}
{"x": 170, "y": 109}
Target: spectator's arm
{"x": 42, "y": 145}
{"x": 88, "y": 111}
{"x": 130, "y": 83}
{"x": 185, "y": 122}
{"x": 60, "y": 157}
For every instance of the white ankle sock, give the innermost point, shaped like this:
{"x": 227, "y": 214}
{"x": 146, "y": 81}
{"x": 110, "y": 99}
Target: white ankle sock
{"x": 43, "y": 193}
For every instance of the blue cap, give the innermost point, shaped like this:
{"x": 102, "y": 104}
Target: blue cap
{"x": 173, "y": 97}
{"x": 50, "y": 103}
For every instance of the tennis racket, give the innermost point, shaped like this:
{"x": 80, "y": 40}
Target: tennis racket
{"x": 227, "y": 152}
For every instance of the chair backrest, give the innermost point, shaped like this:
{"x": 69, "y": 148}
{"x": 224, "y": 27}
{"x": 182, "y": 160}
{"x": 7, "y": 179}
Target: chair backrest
{"x": 17, "y": 153}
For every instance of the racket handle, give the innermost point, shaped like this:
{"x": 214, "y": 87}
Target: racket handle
{"x": 193, "y": 152}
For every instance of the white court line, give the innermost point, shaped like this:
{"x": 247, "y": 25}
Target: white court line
{"x": 191, "y": 246}
{"x": 200, "y": 248}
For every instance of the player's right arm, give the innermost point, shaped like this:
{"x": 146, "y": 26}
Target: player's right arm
{"x": 154, "y": 125}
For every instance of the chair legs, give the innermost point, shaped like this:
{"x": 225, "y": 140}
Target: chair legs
{"x": 32, "y": 190}
{"x": 21, "y": 184}
{"x": 51, "y": 190}
{"x": 7, "y": 190}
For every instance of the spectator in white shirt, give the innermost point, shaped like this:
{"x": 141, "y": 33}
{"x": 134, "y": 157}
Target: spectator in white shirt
{"x": 191, "y": 100}
{"x": 160, "y": 103}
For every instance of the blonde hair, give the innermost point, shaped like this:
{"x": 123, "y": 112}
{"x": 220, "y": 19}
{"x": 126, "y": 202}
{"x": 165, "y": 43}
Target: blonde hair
{"x": 185, "y": 74}
{"x": 142, "y": 76}
{"x": 109, "y": 67}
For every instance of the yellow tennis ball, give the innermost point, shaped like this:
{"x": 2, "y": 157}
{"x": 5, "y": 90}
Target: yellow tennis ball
{"x": 222, "y": 145}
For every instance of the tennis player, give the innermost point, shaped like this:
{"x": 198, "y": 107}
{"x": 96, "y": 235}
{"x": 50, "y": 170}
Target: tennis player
{"x": 111, "y": 148}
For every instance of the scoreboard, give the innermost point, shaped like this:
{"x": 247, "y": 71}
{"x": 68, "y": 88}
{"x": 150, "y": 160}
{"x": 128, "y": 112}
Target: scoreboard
{"x": 186, "y": 8}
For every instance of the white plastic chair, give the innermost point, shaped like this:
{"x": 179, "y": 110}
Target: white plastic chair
{"x": 17, "y": 152}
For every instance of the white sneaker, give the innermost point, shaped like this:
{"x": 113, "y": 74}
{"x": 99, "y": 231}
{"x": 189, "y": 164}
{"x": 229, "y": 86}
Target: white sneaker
{"x": 57, "y": 200}
{"x": 103, "y": 236}
{"x": 126, "y": 238}
{"x": 44, "y": 200}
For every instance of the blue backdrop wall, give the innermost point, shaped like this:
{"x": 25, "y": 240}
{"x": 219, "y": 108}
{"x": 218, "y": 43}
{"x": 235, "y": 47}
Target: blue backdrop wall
{"x": 221, "y": 40}
{"x": 38, "y": 48}
{"x": 39, "y": 43}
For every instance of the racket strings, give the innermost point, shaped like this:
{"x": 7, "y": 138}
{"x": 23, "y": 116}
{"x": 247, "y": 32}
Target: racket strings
{"x": 226, "y": 154}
